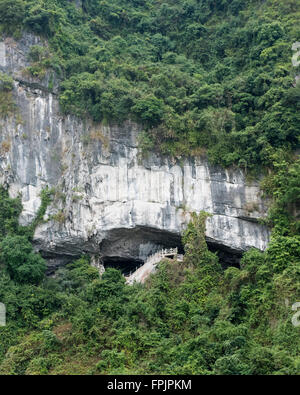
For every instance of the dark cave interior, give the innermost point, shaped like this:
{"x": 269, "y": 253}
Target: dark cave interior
{"x": 126, "y": 265}
{"x": 226, "y": 256}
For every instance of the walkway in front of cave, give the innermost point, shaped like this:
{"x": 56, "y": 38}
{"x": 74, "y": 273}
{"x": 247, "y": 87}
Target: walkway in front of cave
{"x": 150, "y": 264}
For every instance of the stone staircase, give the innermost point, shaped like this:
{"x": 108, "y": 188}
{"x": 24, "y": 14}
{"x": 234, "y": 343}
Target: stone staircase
{"x": 150, "y": 264}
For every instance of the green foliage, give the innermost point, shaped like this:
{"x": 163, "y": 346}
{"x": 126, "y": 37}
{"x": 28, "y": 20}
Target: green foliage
{"x": 41, "y": 61}
{"x": 283, "y": 186}
{"x": 7, "y": 105}
{"x": 149, "y": 110}
{"x": 212, "y": 77}
{"x": 22, "y": 263}
{"x": 283, "y": 252}
{"x": 43, "y": 17}
{"x": 12, "y": 13}
{"x": 196, "y": 251}
{"x": 46, "y": 199}
{"x": 189, "y": 318}
{"x": 215, "y": 78}
{"x": 10, "y": 209}
{"x": 6, "y": 82}
{"x": 16, "y": 252}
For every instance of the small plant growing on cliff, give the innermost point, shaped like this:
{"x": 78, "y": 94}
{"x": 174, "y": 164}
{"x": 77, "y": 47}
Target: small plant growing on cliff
{"x": 46, "y": 196}
{"x": 250, "y": 207}
{"x": 76, "y": 198}
{"x": 37, "y": 53}
{"x": 60, "y": 196}
{"x": 40, "y": 59}
{"x": 145, "y": 143}
{"x": 5, "y": 146}
{"x": 59, "y": 217}
{"x": 10, "y": 209}
{"x": 98, "y": 135}
{"x": 7, "y": 105}
{"x": 85, "y": 139}
{"x": 6, "y": 82}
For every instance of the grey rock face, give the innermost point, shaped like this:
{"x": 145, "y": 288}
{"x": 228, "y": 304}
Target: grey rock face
{"x": 108, "y": 200}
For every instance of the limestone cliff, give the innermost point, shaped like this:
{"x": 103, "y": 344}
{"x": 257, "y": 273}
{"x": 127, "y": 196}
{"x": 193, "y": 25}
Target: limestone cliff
{"x": 110, "y": 201}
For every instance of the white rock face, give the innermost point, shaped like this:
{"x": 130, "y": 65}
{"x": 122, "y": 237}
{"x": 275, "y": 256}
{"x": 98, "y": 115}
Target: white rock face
{"x": 296, "y": 56}
{"x": 110, "y": 201}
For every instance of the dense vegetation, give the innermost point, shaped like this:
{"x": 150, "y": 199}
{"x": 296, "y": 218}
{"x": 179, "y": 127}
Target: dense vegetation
{"x": 200, "y": 76}
{"x": 189, "y": 318}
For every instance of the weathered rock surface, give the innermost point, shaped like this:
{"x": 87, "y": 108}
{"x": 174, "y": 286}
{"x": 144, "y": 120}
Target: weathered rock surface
{"x": 108, "y": 200}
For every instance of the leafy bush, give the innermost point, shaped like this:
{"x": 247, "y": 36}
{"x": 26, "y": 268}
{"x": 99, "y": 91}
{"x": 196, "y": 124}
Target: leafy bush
{"x": 6, "y": 82}
{"x": 23, "y": 265}
{"x": 12, "y": 13}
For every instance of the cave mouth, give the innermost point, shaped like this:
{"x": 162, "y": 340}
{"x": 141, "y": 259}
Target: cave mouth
{"x": 227, "y": 256}
{"x": 125, "y": 265}
{"x": 129, "y": 265}
{"x": 127, "y": 250}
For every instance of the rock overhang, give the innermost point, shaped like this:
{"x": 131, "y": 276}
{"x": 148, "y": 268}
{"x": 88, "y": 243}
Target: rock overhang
{"x": 105, "y": 192}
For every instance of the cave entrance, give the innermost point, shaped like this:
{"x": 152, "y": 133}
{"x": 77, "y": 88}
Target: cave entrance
{"x": 122, "y": 249}
{"x": 227, "y": 256}
{"x": 125, "y": 265}
{"x": 127, "y": 249}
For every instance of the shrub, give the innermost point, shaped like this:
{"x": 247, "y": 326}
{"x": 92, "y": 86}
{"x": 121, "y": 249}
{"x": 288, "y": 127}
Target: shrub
{"x": 23, "y": 265}
{"x": 6, "y": 82}
{"x": 12, "y": 13}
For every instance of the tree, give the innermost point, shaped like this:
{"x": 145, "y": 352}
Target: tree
{"x": 196, "y": 251}
{"x": 12, "y": 13}
{"x": 10, "y": 209}
{"x": 149, "y": 109}
{"x": 22, "y": 263}
{"x": 6, "y": 82}
{"x": 43, "y": 18}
